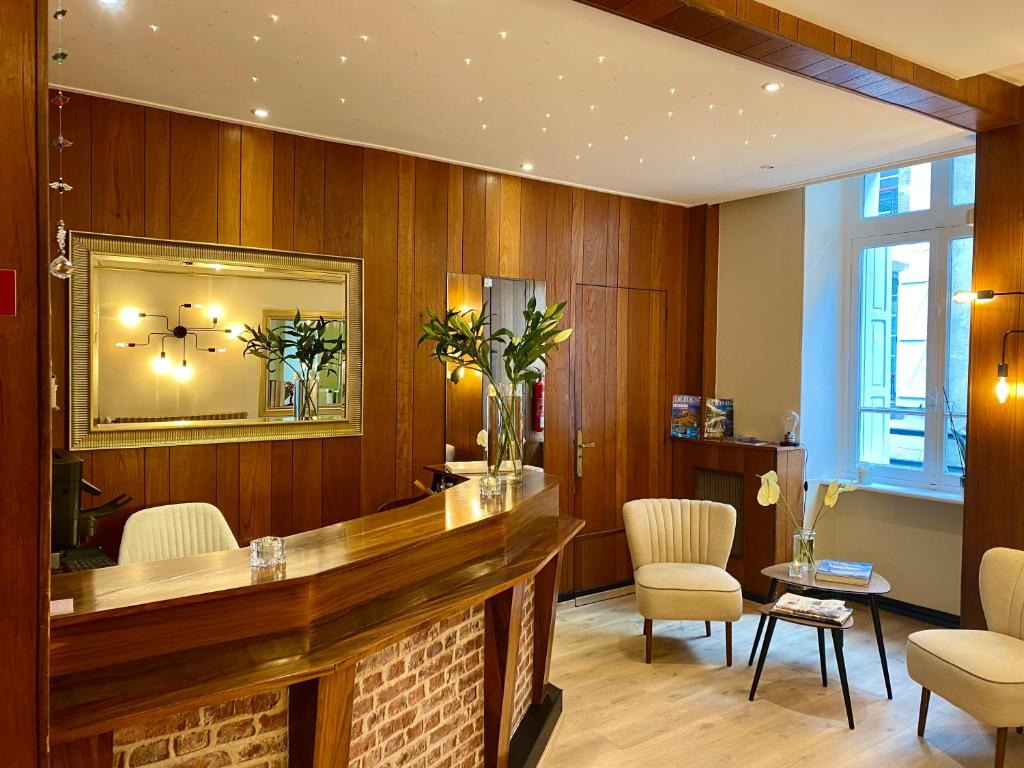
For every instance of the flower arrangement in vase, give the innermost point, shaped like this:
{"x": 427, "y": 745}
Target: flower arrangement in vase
{"x": 464, "y": 341}
{"x": 803, "y": 535}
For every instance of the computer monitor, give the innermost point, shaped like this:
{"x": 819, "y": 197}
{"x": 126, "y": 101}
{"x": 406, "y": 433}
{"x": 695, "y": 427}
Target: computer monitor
{"x": 66, "y": 500}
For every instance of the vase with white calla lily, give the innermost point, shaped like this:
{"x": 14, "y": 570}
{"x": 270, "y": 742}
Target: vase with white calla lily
{"x": 804, "y": 535}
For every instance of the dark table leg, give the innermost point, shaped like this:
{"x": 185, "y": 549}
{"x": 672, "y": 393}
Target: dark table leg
{"x": 764, "y": 654}
{"x": 760, "y": 624}
{"x": 821, "y": 656}
{"x": 837, "y": 643}
{"x": 881, "y": 643}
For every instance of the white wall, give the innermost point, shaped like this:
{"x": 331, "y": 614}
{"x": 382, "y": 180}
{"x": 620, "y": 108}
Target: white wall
{"x": 783, "y": 343}
{"x": 760, "y": 288}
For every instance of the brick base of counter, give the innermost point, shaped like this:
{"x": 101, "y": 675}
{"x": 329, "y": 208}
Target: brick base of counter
{"x": 417, "y": 703}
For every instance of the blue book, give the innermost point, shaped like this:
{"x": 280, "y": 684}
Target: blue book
{"x": 844, "y": 572}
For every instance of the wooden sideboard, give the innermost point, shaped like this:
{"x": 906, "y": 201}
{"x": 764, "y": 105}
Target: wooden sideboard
{"x": 724, "y": 470}
{"x": 153, "y": 639}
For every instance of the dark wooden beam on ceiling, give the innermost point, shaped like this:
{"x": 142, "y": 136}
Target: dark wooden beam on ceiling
{"x": 769, "y": 36}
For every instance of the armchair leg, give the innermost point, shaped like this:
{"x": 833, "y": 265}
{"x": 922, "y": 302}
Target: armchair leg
{"x": 707, "y": 629}
{"x": 649, "y": 637}
{"x": 922, "y": 717}
{"x": 728, "y": 643}
{"x": 1000, "y": 747}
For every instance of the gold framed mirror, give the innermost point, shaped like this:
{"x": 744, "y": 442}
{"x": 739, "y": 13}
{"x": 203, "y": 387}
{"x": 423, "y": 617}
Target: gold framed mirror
{"x": 169, "y": 343}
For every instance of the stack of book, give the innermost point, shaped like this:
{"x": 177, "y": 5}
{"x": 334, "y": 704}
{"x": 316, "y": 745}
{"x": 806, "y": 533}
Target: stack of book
{"x": 799, "y": 607}
{"x": 844, "y": 572}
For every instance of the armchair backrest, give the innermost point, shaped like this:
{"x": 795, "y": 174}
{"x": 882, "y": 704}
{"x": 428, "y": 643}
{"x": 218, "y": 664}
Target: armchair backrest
{"x": 1002, "y": 590}
{"x": 174, "y": 530}
{"x": 679, "y": 531}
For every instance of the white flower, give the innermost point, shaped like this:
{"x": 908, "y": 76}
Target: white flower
{"x": 481, "y": 438}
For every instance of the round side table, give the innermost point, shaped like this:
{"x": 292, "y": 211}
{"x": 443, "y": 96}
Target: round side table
{"x": 779, "y": 574}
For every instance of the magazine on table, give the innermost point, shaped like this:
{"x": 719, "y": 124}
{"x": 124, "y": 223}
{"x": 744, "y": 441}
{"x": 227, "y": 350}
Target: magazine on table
{"x": 844, "y": 572}
{"x": 798, "y": 606}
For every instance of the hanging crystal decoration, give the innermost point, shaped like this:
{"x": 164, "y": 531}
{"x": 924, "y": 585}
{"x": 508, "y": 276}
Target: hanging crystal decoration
{"x": 61, "y": 265}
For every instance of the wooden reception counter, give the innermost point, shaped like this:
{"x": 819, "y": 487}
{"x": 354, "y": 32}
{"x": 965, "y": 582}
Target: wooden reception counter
{"x": 152, "y": 641}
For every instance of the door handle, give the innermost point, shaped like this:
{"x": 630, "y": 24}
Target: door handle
{"x": 580, "y": 445}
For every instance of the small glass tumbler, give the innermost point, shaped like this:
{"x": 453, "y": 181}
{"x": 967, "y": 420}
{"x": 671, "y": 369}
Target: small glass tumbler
{"x": 266, "y": 552}
{"x": 491, "y": 485}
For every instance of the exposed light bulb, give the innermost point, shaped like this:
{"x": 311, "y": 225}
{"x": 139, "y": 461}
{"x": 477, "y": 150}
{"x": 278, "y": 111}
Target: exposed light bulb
{"x": 260, "y": 112}
{"x": 1002, "y": 390}
{"x": 161, "y": 364}
{"x": 235, "y": 330}
{"x": 124, "y": 344}
{"x": 129, "y": 315}
{"x": 182, "y": 372}
{"x": 981, "y": 297}
{"x": 214, "y": 311}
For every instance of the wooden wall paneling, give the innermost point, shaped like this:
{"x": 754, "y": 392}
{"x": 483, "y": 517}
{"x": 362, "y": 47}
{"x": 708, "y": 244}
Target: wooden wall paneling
{"x": 510, "y": 227}
{"x": 119, "y": 471}
{"x": 309, "y": 195}
{"x": 502, "y": 629}
{"x": 194, "y": 165}
{"x": 710, "y": 301}
{"x": 307, "y": 484}
{"x": 91, "y": 752}
{"x": 693, "y": 309}
{"x": 431, "y": 242}
{"x": 342, "y": 472}
{"x": 456, "y": 195}
{"x": 599, "y": 264}
{"x": 992, "y": 511}
{"x": 158, "y": 172}
{"x": 284, "y": 191}
{"x": 193, "y": 473}
{"x": 118, "y": 167}
{"x": 492, "y": 224}
{"x": 636, "y": 255}
{"x": 227, "y": 483}
{"x": 343, "y": 201}
{"x": 380, "y": 331}
{"x": 282, "y": 514}
{"x": 474, "y": 221}
{"x": 534, "y": 229}
{"x": 254, "y": 491}
{"x": 229, "y": 184}
{"x": 158, "y": 476}
{"x": 24, "y": 394}
{"x": 258, "y": 187}
{"x": 407, "y": 314}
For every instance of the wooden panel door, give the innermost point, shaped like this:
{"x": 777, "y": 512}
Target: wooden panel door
{"x": 621, "y": 422}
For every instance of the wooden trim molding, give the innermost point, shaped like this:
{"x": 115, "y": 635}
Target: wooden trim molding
{"x": 503, "y": 621}
{"x": 760, "y": 33}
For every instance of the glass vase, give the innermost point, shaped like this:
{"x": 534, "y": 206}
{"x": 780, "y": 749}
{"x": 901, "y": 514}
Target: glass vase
{"x": 803, "y": 552}
{"x": 505, "y": 433}
{"x": 306, "y": 399}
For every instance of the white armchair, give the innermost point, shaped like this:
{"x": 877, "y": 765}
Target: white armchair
{"x": 980, "y": 672}
{"x": 679, "y": 550}
{"x": 174, "y": 530}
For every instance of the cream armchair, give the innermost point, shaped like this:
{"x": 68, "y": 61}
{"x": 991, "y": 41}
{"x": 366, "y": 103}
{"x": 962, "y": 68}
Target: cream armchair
{"x": 980, "y": 672}
{"x": 679, "y": 550}
{"x": 174, "y": 530}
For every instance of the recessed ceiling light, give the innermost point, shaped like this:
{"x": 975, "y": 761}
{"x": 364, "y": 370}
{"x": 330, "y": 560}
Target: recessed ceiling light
{"x": 255, "y": 38}
{"x": 590, "y": 145}
{"x": 526, "y": 167}
{"x": 479, "y": 99}
{"x": 153, "y": 27}
{"x": 468, "y": 61}
{"x": 109, "y": 2}
{"x": 775, "y": 136}
{"x": 670, "y": 114}
{"x": 739, "y": 112}
{"x": 503, "y": 35}
{"x": 641, "y": 161}
{"x": 260, "y": 112}
{"x": 767, "y": 167}
{"x": 693, "y": 157}
{"x": 625, "y": 138}
{"x": 746, "y": 142}
{"x": 672, "y": 91}
{"x": 341, "y": 100}
{"x": 600, "y": 59}
{"x": 483, "y": 126}
{"x": 711, "y": 107}
{"x": 255, "y": 79}
{"x": 772, "y": 87}
{"x": 365, "y": 38}
{"x": 577, "y": 157}
{"x": 343, "y": 59}
{"x": 561, "y": 77}
{"x": 547, "y": 115}
{"x": 543, "y": 129}
{"x": 274, "y": 17}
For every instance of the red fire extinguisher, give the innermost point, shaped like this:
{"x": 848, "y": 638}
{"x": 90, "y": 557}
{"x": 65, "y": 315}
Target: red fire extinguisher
{"x": 538, "y": 405}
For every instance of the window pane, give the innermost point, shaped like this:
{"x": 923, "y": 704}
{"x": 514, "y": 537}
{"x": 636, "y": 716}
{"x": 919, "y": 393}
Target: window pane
{"x": 961, "y": 252}
{"x": 898, "y": 190}
{"x": 893, "y": 352}
{"x": 963, "y": 180}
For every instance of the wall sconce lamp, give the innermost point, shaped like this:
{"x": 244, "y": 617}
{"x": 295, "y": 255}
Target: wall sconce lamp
{"x": 161, "y": 364}
{"x": 981, "y": 297}
{"x": 1003, "y": 371}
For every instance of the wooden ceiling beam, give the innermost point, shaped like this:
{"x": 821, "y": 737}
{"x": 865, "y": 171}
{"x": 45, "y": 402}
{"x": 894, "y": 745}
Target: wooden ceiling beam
{"x": 760, "y": 33}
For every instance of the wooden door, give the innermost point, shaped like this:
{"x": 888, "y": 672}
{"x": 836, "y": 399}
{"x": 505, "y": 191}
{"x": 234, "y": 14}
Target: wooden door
{"x": 621, "y": 416}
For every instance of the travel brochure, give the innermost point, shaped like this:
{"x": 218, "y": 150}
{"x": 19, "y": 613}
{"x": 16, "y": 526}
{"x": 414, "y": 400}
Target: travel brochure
{"x": 717, "y": 422}
{"x": 686, "y": 416}
{"x": 844, "y": 572}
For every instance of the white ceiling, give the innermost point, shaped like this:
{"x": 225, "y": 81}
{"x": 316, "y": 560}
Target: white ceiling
{"x": 959, "y": 38}
{"x": 409, "y": 88}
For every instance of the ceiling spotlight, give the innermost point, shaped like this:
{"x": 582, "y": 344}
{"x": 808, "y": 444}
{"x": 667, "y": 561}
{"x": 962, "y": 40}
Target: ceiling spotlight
{"x": 767, "y": 167}
{"x": 255, "y": 38}
{"x": 255, "y": 79}
{"x": 672, "y": 91}
{"x": 746, "y": 142}
{"x": 577, "y": 157}
{"x": 503, "y": 35}
{"x": 670, "y": 114}
{"x": 641, "y": 161}
{"x": 479, "y": 99}
{"x": 739, "y": 112}
{"x": 771, "y": 87}
{"x": 153, "y": 27}
{"x": 543, "y": 129}
{"x": 600, "y": 59}
{"x": 775, "y": 136}
{"x": 590, "y": 145}
{"x": 274, "y": 17}
{"x": 343, "y": 59}
{"x": 483, "y": 126}
{"x": 625, "y": 138}
{"x": 365, "y": 38}
{"x": 526, "y": 167}
{"x": 561, "y": 77}
{"x": 109, "y": 2}
{"x": 341, "y": 100}
{"x": 593, "y": 107}
{"x": 711, "y": 107}
{"x": 693, "y": 157}
{"x": 547, "y": 115}
{"x": 468, "y": 61}
{"x": 260, "y": 112}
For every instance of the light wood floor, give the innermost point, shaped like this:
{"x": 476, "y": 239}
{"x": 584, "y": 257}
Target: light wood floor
{"x": 689, "y": 709}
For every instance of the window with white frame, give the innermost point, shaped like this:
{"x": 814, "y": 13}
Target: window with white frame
{"x": 910, "y": 249}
